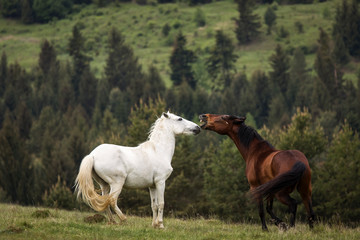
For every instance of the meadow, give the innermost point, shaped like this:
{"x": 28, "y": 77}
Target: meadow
{"x": 18, "y": 222}
{"x": 142, "y": 28}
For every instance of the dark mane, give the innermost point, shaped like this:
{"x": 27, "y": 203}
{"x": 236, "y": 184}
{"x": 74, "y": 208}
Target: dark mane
{"x": 247, "y": 134}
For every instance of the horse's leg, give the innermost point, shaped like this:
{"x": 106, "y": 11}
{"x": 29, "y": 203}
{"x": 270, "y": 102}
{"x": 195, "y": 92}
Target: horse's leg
{"x": 154, "y": 205}
{"x": 269, "y": 209}
{"x": 115, "y": 192}
{"x": 287, "y": 200}
{"x": 160, "y": 189}
{"x": 105, "y": 189}
{"x": 306, "y": 198}
{"x": 262, "y": 214}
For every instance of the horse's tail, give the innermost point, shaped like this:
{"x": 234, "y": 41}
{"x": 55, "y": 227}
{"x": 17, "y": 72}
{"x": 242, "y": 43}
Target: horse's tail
{"x": 84, "y": 186}
{"x": 287, "y": 179}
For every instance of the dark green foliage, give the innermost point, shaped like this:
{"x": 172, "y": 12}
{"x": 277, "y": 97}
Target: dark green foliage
{"x": 221, "y": 62}
{"x": 346, "y": 25}
{"x": 199, "y": 18}
{"x": 270, "y": 19}
{"x": 27, "y": 14}
{"x": 225, "y": 182}
{"x": 260, "y": 85}
{"x": 15, "y": 162}
{"x": 3, "y": 73}
{"x": 166, "y": 29}
{"x": 279, "y": 76}
{"x": 248, "y": 24}
{"x": 154, "y": 85}
{"x": 302, "y": 136}
{"x": 87, "y": 91}
{"x": 327, "y": 71}
{"x": 81, "y": 61}
{"x": 47, "y": 10}
{"x": 60, "y": 196}
{"x": 11, "y": 9}
{"x": 338, "y": 193}
{"x": 180, "y": 62}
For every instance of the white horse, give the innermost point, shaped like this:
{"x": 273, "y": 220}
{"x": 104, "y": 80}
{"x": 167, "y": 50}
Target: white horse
{"x": 145, "y": 166}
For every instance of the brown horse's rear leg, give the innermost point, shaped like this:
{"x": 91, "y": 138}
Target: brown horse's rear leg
{"x": 269, "y": 207}
{"x": 309, "y": 210}
{"x": 287, "y": 200}
{"x": 262, "y": 214}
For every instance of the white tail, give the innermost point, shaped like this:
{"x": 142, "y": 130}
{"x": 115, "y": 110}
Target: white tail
{"x": 85, "y": 186}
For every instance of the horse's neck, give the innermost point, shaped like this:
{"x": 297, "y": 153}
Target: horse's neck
{"x": 242, "y": 149}
{"x": 163, "y": 142}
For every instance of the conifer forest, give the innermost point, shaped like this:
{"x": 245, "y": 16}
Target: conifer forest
{"x": 78, "y": 73}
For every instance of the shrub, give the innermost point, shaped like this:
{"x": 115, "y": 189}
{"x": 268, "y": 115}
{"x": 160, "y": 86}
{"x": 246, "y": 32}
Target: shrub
{"x": 59, "y": 196}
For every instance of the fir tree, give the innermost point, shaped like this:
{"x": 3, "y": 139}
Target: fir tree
{"x": 270, "y": 19}
{"x": 279, "y": 75}
{"x": 3, "y": 73}
{"x": 27, "y": 12}
{"x": 325, "y": 67}
{"x": 87, "y": 91}
{"x": 248, "y": 24}
{"x": 15, "y": 163}
{"x": 180, "y": 63}
{"x": 221, "y": 62}
{"x": 154, "y": 85}
{"x": 47, "y": 57}
{"x": 260, "y": 86}
{"x": 80, "y": 59}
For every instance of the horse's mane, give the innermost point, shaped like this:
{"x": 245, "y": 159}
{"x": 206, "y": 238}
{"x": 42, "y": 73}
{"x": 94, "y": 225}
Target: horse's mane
{"x": 152, "y": 128}
{"x": 247, "y": 134}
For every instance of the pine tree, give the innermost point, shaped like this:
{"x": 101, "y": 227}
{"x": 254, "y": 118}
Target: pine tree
{"x": 27, "y": 16}
{"x": 248, "y": 24}
{"x": 354, "y": 29}
{"x": 340, "y": 52}
{"x": 154, "y": 85}
{"x": 15, "y": 163}
{"x": 270, "y": 19}
{"x": 3, "y": 73}
{"x": 47, "y": 57}
{"x": 299, "y": 89}
{"x": 260, "y": 86}
{"x": 325, "y": 67}
{"x": 80, "y": 59}
{"x": 221, "y": 62}
{"x": 279, "y": 76}
{"x": 87, "y": 91}
{"x": 180, "y": 63}
{"x": 337, "y": 177}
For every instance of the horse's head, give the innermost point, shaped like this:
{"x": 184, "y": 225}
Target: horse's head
{"x": 221, "y": 124}
{"x": 180, "y": 125}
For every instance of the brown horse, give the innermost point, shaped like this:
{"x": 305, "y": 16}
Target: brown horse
{"x": 270, "y": 172}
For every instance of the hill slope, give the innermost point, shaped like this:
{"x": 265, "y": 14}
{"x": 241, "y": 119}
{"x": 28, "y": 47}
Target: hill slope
{"x": 21, "y": 223}
{"x": 142, "y": 27}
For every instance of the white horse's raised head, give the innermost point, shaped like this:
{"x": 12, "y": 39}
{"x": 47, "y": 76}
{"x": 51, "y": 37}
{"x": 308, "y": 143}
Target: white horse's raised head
{"x": 180, "y": 125}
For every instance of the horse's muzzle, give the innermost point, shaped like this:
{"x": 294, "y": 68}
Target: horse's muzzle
{"x": 203, "y": 120}
{"x": 196, "y": 130}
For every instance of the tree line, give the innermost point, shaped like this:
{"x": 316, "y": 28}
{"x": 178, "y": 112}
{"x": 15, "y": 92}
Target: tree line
{"x": 56, "y": 113}
{"x": 40, "y": 11}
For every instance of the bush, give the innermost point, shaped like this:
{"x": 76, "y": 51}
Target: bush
{"x": 59, "y": 196}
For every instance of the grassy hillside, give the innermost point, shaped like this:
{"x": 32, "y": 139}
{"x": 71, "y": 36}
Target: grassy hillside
{"x": 142, "y": 25}
{"x": 18, "y": 222}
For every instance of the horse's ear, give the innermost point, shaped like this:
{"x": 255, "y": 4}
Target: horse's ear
{"x": 165, "y": 115}
{"x": 239, "y": 120}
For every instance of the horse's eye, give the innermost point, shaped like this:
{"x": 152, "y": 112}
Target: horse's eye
{"x": 180, "y": 119}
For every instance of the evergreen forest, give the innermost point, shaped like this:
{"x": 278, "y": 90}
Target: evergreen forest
{"x": 78, "y": 73}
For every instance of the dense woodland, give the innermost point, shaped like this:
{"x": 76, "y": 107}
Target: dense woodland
{"x": 56, "y": 113}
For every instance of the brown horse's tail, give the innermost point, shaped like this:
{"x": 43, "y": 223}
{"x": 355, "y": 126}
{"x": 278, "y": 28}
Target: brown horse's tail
{"x": 287, "y": 179}
{"x": 85, "y": 186}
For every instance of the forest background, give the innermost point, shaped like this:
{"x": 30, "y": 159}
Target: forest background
{"x": 78, "y": 73}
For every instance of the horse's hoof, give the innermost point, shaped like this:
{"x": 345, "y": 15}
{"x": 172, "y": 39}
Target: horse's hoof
{"x": 283, "y": 226}
{"x": 161, "y": 226}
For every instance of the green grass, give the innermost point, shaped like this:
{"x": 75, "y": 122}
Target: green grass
{"x": 141, "y": 25}
{"x": 19, "y": 222}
